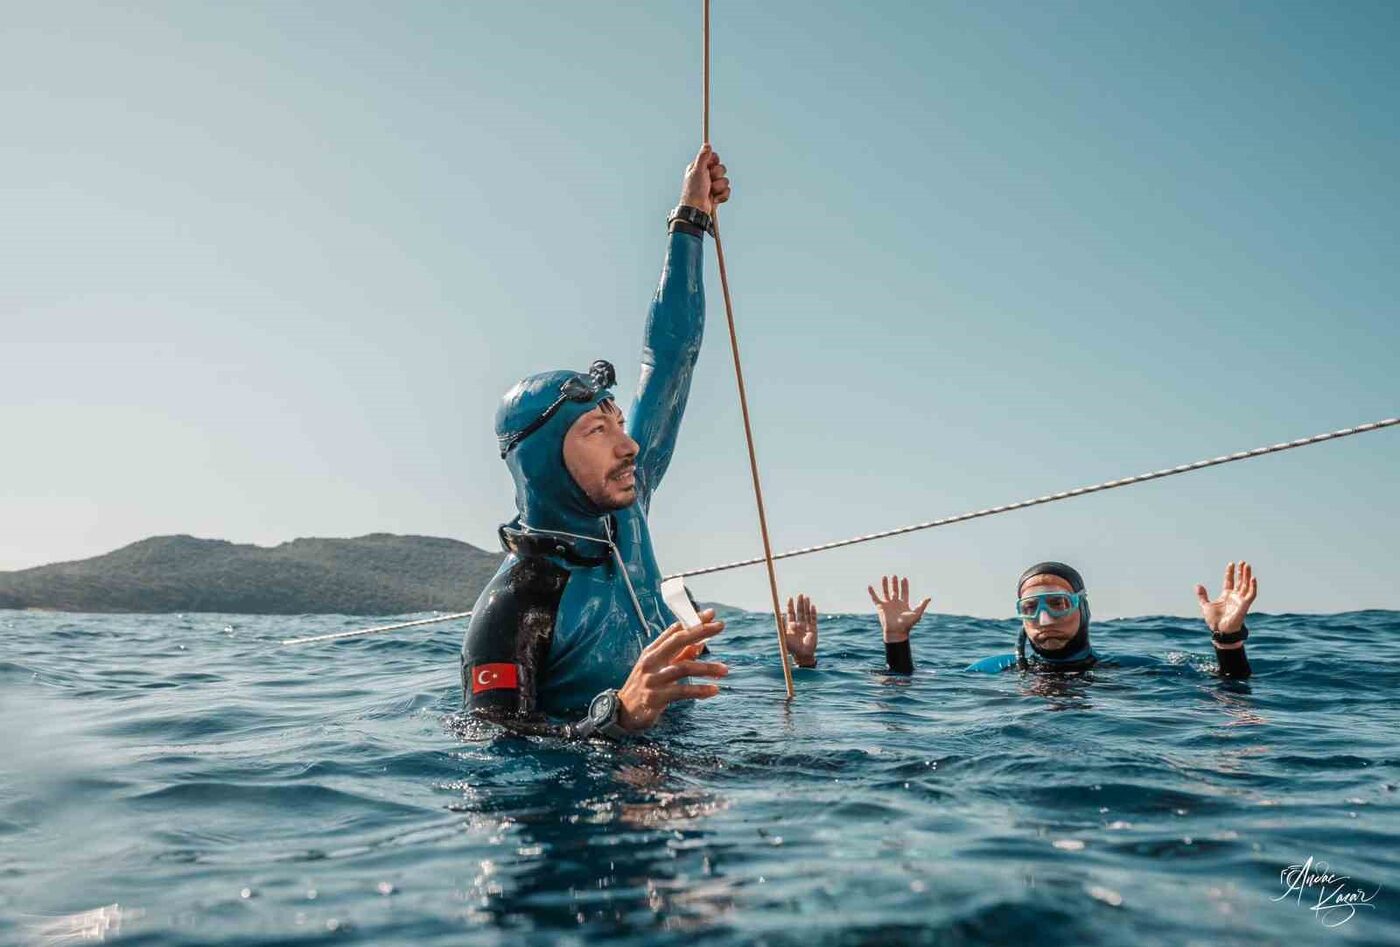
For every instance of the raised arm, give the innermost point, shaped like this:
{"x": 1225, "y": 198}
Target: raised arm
{"x": 1225, "y": 615}
{"x": 897, "y": 619}
{"x": 674, "y": 328}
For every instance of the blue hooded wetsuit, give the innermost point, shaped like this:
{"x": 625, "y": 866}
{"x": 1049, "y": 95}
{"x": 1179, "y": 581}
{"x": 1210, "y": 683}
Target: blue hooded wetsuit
{"x": 561, "y": 620}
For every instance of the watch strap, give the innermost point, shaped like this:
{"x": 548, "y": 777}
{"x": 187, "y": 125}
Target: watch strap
{"x": 614, "y": 730}
{"x": 610, "y": 728}
{"x": 693, "y": 216}
{"x": 1233, "y": 637}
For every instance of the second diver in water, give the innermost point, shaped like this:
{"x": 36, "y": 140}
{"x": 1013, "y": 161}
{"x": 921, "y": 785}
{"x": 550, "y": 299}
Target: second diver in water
{"x": 1053, "y": 606}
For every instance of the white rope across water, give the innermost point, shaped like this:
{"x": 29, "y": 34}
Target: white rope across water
{"x": 945, "y": 521}
{"x": 1052, "y": 497}
{"x": 361, "y": 632}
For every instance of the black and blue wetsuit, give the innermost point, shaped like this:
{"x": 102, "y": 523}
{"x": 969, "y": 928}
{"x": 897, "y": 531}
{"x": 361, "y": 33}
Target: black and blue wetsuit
{"x": 578, "y": 595}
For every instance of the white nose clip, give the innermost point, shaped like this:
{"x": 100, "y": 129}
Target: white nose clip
{"x": 1043, "y": 618}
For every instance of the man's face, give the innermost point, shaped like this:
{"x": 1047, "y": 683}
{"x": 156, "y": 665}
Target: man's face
{"x": 1046, "y": 632}
{"x": 601, "y": 457}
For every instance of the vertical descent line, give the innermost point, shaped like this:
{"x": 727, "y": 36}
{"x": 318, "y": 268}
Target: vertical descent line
{"x": 743, "y": 395}
{"x": 706, "y": 137}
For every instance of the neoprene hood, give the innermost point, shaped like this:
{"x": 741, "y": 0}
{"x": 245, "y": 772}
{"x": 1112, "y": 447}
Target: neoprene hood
{"x": 1077, "y": 648}
{"x": 546, "y": 496}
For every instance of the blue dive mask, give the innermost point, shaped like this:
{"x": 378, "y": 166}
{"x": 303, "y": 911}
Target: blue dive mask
{"x": 1055, "y": 604}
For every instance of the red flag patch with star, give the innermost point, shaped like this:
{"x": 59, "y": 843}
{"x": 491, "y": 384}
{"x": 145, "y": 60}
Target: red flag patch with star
{"x": 490, "y": 677}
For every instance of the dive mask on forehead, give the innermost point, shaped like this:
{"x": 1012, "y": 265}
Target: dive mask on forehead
{"x": 577, "y": 388}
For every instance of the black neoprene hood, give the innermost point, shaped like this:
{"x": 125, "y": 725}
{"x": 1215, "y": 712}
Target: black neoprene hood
{"x": 1080, "y": 642}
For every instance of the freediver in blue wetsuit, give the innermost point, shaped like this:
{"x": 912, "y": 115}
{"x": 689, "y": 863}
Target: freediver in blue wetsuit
{"x": 574, "y": 618}
{"x": 1053, "y": 606}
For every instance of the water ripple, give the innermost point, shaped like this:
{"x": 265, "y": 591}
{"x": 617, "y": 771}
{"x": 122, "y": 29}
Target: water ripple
{"x": 194, "y": 782}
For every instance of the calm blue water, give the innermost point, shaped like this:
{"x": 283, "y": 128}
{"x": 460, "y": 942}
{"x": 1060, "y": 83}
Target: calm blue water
{"x": 218, "y": 789}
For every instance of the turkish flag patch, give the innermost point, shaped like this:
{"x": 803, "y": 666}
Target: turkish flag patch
{"x": 490, "y": 677}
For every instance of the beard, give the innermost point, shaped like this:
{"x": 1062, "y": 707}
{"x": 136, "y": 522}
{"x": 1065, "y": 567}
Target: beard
{"x": 612, "y": 495}
{"x": 613, "y": 501}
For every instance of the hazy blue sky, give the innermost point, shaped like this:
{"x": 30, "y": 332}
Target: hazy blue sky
{"x": 267, "y": 268}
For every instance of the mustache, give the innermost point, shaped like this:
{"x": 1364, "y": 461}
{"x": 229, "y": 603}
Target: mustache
{"x": 626, "y": 466}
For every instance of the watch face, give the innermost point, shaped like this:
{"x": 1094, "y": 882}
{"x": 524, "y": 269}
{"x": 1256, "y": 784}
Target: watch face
{"x": 602, "y": 707}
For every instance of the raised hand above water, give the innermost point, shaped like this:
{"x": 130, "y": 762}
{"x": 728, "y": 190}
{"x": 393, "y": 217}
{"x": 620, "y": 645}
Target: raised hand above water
{"x": 896, "y": 617}
{"x": 1238, "y": 592}
{"x": 800, "y": 631}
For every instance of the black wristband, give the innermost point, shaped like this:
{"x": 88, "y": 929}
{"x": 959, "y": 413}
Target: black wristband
{"x": 693, "y": 216}
{"x": 680, "y": 226}
{"x": 1233, "y": 637}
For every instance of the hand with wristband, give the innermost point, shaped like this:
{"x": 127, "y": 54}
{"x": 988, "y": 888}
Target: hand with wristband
{"x": 1225, "y": 615}
{"x": 705, "y": 187}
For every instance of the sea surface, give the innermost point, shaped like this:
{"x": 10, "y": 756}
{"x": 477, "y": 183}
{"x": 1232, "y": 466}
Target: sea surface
{"x": 182, "y": 779}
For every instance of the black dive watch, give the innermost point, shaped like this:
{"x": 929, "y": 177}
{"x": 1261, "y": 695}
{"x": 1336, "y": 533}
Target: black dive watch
{"x": 694, "y": 216}
{"x": 602, "y": 718}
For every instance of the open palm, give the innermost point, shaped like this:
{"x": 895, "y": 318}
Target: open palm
{"x": 800, "y": 631}
{"x": 1239, "y": 590}
{"x": 896, "y": 617}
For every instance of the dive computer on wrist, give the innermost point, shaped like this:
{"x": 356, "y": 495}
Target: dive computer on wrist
{"x": 603, "y": 714}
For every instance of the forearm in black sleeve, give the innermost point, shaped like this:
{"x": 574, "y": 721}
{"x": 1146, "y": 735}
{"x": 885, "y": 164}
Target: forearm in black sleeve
{"x": 1233, "y": 662}
{"x": 899, "y": 657}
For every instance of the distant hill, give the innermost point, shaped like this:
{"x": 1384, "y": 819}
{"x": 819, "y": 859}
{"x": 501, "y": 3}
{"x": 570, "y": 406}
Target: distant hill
{"x": 722, "y": 611}
{"x": 379, "y": 574}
